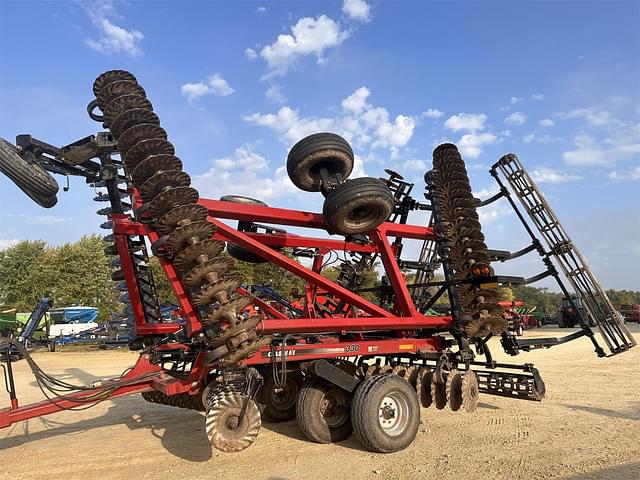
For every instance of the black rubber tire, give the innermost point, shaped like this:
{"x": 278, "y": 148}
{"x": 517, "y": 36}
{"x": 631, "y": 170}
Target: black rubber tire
{"x": 275, "y": 408}
{"x": 358, "y": 206}
{"x": 236, "y": 251}
{"x": 365, "y": 413}
{"x": 320, "y": 150}
{"x": 310, "y": 418}
{"x": 244, "y": 255}
{"x": 29, "y": 177}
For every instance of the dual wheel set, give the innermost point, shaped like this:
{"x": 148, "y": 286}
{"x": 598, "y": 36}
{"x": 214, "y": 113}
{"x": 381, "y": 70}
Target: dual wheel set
{"x": 383, "y": 411}
{"x": 322, "y": 163}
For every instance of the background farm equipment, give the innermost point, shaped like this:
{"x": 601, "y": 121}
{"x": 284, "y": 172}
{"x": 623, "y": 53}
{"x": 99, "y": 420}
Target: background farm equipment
{"x": 520, "y": 318}
{"x": 631, "y": 313}
{"x": 344, "y": 357}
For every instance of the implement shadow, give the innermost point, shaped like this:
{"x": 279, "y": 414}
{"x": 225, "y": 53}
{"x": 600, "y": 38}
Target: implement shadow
{"x": 632, "y": 413}
{"x": 181, "y": 431}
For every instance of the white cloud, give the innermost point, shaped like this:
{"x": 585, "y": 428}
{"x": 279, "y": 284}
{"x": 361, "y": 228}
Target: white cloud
{"x": 261, "y": 9}
{"x": 471, "y": 144}
{"x": 432, "y": 113}
{"x": 418, "y": 165}
{"x": 275, "y": 95}
{"x": 514, "y": 100}
{"x": 516, "y": 119}
{"x": 492, "y": 212}
{"x": 631, "y": 174}
{"x": 356, "y": 10}
{"x": 113, "y": 38}
{"x": 214, "y": 85}
{"x": 594, "y": 116}
{"x": 536, "y": 96}
{"x": 528, "y": 138}
{"x": 466, "y": 121}
{"x": 622, "y": 145}
{"x": 549, "y": 175}
{"x": 546, "y": 122}
{"x": 310, "y": 36}
{"x": 8, "y": 242}
{"x": 361, "y": 123}
{"x": 357, "y": 101}
{"x": 250, "y": 53}
{"x": 506, "y": 133}
{"x": 38, "y": 219}
{"x": 245, "y": 171}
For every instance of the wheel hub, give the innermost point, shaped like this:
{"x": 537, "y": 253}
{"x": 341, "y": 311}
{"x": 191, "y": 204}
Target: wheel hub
{"x": 393, "y": 413}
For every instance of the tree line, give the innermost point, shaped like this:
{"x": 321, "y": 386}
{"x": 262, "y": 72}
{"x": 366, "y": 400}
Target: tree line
{"x": 79, "y": 273}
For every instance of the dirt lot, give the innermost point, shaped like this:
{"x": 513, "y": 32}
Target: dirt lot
{"x": 588, "y": 426}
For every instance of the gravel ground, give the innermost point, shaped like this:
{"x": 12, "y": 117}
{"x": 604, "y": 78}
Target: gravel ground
{"x": 588, "y": 426}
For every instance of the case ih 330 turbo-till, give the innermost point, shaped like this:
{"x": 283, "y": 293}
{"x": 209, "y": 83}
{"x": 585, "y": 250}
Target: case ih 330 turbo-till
{"x": 341, "y": 363}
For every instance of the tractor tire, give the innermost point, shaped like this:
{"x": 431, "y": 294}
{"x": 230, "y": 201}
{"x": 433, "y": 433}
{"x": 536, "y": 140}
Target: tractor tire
{"x": 322, "y": 412}
{"x": 358, "y": 206}
{"x": 315, "y": 152}
{"x": 29, "y": 177}
{"x": 244, "y": 255}
{"x": 280, "y": 405}
{"x": 236, "y": 251}
{"x": 385, "y": 413}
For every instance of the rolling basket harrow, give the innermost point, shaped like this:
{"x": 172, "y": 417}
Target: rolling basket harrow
{"x": 340, "y": 362}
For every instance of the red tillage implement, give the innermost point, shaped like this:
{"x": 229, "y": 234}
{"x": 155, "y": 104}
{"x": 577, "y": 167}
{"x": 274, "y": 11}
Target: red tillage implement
{"x": 365, "y": 363}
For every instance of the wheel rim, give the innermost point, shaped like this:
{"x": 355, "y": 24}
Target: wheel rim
{"x": 363, "y": 215}
{"x": 393, "y": 413}
{"x": 284, "y": 398}
{"x": 333, "y": 409}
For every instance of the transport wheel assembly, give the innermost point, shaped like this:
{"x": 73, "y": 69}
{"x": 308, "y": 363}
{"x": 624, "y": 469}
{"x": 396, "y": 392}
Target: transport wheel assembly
{"x": 279, "y": 403}
{"x": 322, "y": 412}
{"x": 385, "y": 413}
{"x": 317, "y": 158}
{"x": 358, "y": 206}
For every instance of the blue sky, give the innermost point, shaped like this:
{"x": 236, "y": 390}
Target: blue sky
{"x": 237, "y": 83}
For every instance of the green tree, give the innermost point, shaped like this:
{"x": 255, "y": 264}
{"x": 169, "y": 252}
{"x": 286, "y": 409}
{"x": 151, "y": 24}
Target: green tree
{"x": 163, "y": 287}
{"x": 24, "y": 275}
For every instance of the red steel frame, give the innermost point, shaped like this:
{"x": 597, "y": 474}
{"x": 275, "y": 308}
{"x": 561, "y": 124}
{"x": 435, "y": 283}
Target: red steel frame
{"x": 371, "y": 317}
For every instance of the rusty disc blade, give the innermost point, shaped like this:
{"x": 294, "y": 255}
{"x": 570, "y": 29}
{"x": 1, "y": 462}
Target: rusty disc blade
{"x": 463, "y": 203}
{"x": 154, "y": 164}
{"x": 245, "y": 325}
{"x": 171, "y": 198}
{"x": 111, "y": 76}
{"x": 197, "y": 276}
{"x": 187, "y": 235}
{"x": 181, "y": 215}
{"x": 137, "y": 133}
{"x": 122, "y": 104}
{"x": 117, "y": 89}
{"x": 198, "y": 253}
{"x": 132, "y": 117}
{"x": 162, "y": 180}
{"x": 469, "y": 245}
{"x": 245, "y": 351}
{"x": 218, "y": 292}
{"x": 228, "y": 312}
{"x": 145, "y": 148}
